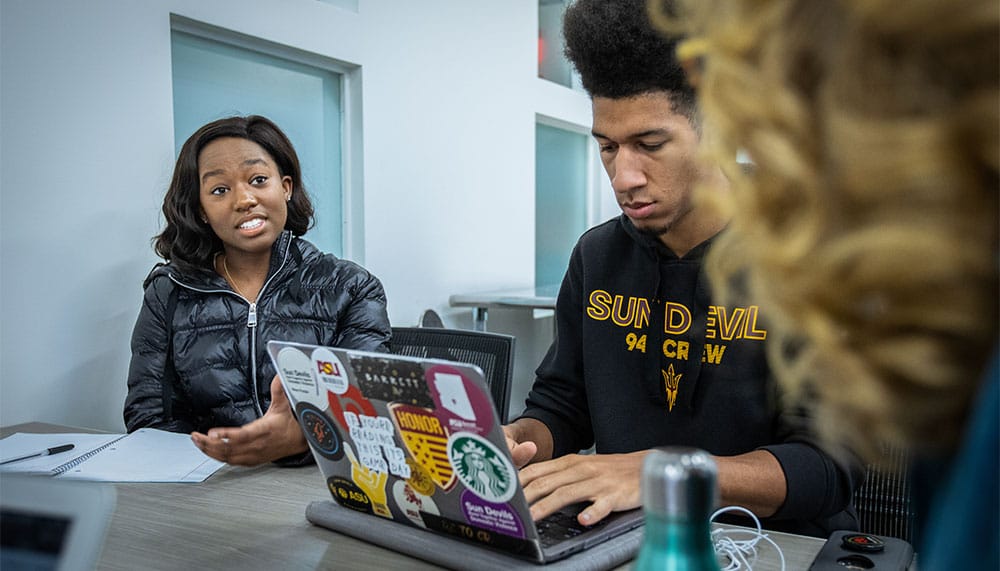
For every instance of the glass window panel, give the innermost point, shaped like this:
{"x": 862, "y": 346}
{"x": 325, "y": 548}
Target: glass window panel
{"x": 552, "y": 63}
{"x": 212, "y": 80}
{"x": 560, "y": 199}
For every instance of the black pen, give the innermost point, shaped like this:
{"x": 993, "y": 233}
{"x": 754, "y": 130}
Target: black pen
{"x": 46, "y": 452}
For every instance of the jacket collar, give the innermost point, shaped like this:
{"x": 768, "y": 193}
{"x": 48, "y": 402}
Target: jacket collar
{"x": 282, "y": 260}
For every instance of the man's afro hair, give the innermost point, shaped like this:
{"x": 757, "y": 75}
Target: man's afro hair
{"x": 619, "y": 54}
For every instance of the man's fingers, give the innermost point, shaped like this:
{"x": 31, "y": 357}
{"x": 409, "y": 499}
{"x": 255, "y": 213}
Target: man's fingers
{"x": 560, "y": 498}
{"x": 595, "y": 512}
{"x": 522, "y": 453}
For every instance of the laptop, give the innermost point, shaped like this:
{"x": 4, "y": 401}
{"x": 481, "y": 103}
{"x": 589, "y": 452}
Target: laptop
{"x": 416, "y": 441}
{"x": 48, "y": 524}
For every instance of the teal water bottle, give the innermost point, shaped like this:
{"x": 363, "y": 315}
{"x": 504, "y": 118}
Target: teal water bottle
{"x": 678, "y": 495}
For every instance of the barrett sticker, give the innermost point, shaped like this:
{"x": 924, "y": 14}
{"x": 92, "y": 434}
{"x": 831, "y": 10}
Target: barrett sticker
{"x": 482, "y": 467}
{"x": 320, "y": 431}
{"x": 396, "y": 381}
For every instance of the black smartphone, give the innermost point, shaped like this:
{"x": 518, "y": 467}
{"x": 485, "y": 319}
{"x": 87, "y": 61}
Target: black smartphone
{"x": 850, "y": 550}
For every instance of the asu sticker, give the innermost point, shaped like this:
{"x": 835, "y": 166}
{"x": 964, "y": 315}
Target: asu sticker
{"x": 482, "y": 467}
{"x": 320, "y": 431}
{"x": 348, "y": 495}
{"x": 330, "y": 370}
{"x": 426, "y": 440}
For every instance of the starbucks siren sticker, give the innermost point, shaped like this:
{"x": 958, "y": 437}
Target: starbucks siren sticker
{"x": 481, "y": 467}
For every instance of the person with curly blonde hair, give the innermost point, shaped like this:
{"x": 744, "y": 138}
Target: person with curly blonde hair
{"x": 868, "y": 224}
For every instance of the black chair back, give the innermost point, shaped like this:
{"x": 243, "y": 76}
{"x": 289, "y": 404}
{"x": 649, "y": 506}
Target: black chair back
{"x": 883, "y": 501}
{"x": 491, "y": 352}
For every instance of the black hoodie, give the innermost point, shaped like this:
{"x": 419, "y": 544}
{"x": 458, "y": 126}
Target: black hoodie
{"x": 643, "y": 358}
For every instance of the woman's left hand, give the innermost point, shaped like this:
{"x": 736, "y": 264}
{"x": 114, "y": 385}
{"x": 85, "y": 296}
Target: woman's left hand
{"x": 270, "y": 437}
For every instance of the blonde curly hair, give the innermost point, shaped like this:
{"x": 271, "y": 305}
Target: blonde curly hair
{"x": 868, "y": 221}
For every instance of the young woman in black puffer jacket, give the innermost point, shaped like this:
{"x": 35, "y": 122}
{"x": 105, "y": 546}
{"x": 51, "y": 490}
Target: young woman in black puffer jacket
{"x": 237, "y": 275}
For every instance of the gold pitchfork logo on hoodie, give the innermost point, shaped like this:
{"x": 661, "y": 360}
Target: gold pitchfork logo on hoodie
{"x": 671, "y": 381}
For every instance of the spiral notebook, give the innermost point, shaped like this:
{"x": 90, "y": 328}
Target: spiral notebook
{"x": 146, "y": 455}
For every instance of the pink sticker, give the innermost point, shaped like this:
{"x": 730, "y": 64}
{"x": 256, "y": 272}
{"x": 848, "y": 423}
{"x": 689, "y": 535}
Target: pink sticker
{"x": 460, "y": 403}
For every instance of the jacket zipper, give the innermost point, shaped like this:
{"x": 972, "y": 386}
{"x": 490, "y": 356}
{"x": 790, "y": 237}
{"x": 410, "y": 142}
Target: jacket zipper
{"x": 251, "y": 322}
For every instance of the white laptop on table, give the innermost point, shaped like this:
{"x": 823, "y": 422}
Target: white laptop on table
{"x": 49, "y": 524}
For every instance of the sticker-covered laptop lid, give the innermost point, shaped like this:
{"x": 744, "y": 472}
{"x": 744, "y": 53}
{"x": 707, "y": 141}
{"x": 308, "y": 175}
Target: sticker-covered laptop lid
{"x": 409, "y": 439}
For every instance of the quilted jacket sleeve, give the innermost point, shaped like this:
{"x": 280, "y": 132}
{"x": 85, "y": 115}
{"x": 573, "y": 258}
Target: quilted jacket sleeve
{"x": 365, "y": 320}
{"x": 144, "y": 402}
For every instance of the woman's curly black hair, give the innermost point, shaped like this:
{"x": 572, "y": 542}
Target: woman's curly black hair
{"x": 188, "y": 241}
{"x": 619, "y": 54}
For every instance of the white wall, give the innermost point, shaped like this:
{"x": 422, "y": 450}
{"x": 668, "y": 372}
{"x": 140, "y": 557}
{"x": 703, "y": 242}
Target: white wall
{"x": 449, "y": 101}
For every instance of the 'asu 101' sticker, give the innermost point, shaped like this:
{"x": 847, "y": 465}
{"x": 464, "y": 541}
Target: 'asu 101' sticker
{"x": 320, "y": 431}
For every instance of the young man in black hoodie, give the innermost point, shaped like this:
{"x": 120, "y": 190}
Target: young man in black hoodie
{"x": 643, "y": 356}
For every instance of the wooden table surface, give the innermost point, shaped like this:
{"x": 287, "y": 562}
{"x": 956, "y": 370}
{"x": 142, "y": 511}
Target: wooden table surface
{"x": 254, "y": 518}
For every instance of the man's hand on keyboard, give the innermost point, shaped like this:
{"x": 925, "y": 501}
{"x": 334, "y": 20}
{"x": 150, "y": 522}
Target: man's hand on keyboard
{"x": 609, "y": 482}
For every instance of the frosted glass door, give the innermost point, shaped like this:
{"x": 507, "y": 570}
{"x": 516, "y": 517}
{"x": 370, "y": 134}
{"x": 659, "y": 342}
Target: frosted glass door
{"x": 212, "y": 80}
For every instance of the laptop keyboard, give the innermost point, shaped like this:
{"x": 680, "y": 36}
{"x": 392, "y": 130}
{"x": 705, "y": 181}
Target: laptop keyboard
{"x": 562, "y": 525}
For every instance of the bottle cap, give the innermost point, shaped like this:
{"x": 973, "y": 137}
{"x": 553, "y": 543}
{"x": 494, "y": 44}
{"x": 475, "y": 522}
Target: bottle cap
{"x": 679, "y": 481}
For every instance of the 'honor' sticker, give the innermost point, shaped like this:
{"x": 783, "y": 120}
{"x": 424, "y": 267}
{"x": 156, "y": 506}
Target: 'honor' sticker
{"x": 297, "y": 375}
{"x": 426, "y": 440}
{"x": 330, "y": 370}
{"x": 481, "y": 467}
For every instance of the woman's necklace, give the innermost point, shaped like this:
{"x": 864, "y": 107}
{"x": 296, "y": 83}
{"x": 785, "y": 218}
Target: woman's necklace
{"x": 232, "y": 282}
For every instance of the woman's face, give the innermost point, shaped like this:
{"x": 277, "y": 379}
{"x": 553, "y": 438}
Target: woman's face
{"x": 242, "y": 194}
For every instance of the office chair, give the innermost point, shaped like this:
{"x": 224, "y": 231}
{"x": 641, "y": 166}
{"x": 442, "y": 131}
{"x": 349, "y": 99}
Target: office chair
{"x": 491, "y": 352}
{"x": 430, "y": 318}
{"x": 883, "y": 501}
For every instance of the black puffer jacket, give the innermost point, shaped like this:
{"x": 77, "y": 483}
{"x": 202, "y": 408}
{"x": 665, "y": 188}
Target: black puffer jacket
{"x": 223, "y": 374}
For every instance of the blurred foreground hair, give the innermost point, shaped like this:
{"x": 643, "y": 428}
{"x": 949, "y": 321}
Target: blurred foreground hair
{"x": 868, "y": 222}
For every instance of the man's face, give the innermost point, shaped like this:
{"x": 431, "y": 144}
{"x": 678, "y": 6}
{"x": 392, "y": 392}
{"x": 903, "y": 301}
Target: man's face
{"x": 650, "y": 154}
